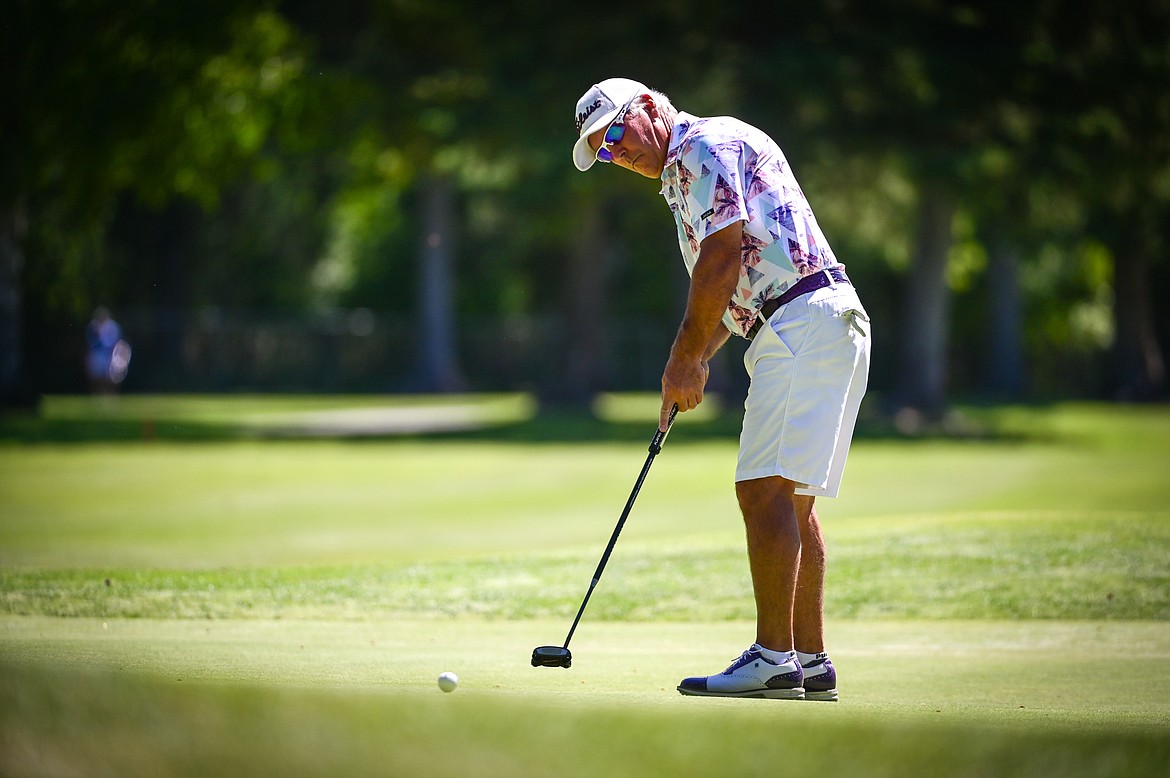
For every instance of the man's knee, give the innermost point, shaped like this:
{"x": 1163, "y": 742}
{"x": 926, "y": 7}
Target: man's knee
{"x": 766, "y": 496}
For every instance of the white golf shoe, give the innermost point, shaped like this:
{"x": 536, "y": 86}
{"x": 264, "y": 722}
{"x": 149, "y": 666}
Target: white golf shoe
{"x": 750, "y": 676}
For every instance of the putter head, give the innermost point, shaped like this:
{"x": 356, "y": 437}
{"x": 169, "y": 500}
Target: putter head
{"x": 551, "y": 656}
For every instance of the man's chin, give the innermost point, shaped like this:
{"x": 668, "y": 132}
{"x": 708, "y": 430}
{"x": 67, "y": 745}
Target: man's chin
{"x": 645, "y": 169}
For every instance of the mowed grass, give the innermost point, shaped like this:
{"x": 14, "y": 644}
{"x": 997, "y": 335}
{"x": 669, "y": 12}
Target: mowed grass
{"x": 205, "y": 591}
{"x": 185, "y": 697}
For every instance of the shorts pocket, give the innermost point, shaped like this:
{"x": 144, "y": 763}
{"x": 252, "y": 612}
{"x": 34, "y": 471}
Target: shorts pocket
{"x": 791, "y": 328}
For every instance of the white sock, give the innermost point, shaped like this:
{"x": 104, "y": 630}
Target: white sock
{"x": 779, "y": 657}
{"x": 808, "y": 659}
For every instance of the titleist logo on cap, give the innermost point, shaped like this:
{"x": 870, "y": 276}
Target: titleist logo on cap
{"x": 584, "y": 117}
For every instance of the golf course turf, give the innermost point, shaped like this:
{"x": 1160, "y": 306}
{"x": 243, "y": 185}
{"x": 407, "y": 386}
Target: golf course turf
{"x": 213, "y": 586}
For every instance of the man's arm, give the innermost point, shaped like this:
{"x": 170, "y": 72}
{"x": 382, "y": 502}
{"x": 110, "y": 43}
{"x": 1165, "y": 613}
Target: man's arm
{"x": 717, "y": 340}
{"x": 713, "y": 281}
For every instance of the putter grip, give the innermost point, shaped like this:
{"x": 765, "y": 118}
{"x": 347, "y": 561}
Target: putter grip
{"x": 659, "y": 435}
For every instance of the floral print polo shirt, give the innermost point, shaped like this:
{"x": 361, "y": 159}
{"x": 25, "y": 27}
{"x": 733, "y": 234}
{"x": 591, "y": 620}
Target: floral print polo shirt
{"x": 721, "y": 170}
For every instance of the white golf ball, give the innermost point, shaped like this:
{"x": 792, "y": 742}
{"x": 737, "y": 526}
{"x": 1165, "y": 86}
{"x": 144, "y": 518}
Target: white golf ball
{"x": 448, "y": 682}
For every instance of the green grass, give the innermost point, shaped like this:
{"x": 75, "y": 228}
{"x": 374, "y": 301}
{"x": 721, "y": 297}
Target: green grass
{"x": 194, "y": 586}
{"x": 1011, "y": 565}
{"x": 186, "y": 697}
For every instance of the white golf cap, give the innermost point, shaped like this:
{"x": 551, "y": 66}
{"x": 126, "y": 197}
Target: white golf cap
{"x": 596, "y": 109}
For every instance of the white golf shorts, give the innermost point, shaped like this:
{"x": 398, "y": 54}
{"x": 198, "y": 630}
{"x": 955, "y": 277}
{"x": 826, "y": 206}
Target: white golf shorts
{"x": 809, "y": 366}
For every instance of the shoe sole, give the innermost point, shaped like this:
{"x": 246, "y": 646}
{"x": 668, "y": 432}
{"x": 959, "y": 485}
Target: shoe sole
{"x": 757, "y": 694}
{"x": 826, "y": 696}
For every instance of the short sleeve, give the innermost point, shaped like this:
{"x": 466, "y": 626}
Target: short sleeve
{"x": 716, "y": 186}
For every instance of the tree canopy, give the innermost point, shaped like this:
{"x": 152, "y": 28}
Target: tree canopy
{"x": 996, "y": 176}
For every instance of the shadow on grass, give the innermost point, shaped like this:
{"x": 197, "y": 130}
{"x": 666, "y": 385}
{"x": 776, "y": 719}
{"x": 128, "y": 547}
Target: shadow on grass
{"x": 550, "y": 424}
{"x": 560, "y": 425}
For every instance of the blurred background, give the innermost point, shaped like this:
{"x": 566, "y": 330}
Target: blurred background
{"x": 376, "y": 196}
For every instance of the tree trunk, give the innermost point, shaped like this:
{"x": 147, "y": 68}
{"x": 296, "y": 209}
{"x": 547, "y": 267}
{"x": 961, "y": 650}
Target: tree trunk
{"x": 581, "y": 366}
{"x": 926, "y": 323}
{"x": 1138, "y": 368}
{"x": 14, "y": 389}
{"x": 176, "y": 227}
{"x": 1004, "y": 366}
{"x": 438, "y": 369}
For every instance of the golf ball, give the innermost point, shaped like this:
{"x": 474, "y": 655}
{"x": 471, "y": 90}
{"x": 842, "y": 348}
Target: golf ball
{"x": 448, "y": 682}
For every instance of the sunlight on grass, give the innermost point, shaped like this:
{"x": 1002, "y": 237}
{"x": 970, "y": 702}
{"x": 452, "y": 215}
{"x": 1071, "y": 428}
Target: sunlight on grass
{"x": 644, "y": 408}
{"x": 1006, "y": 565}
{"x": 194, "y": 598}
{"x": 297, "y": 414}
{"x": 310, "y": 698}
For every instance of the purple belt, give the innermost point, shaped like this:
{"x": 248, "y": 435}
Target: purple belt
{"x": 810, "y": 283}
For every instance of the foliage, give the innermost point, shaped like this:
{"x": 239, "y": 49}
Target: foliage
{"x": 301, "y": 137}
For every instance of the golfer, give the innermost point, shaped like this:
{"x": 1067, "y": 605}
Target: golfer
{"x": 760, "y": 269}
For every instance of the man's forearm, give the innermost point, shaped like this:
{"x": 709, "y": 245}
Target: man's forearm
{"x": 717, "y": 340}
{"x": 713, "y": 282}
{"x": 701, "y": 333}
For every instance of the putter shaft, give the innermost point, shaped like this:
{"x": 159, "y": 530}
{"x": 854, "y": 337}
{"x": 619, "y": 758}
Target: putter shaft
{"x": 655, "y": 448}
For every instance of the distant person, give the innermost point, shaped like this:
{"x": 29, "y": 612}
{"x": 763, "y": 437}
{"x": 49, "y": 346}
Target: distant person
{"x": 760, "y": 269}
{"x": 108, "y": 356}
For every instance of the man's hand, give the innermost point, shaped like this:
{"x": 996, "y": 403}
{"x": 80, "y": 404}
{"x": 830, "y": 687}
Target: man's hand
{"x": 683, "y": 382}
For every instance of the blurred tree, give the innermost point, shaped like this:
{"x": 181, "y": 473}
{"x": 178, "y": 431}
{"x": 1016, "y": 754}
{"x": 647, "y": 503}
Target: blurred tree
{"x": 474, "y": 111}
{"x": 1106, "y": 69}
{"x": 416, "y": 130}
{"x": 272, "y": 153}
{"x": 163, "y": 101}
{"x": 900, "y": 84}
{"x": 928, "y": 81}
{"x": 984, "y": 106}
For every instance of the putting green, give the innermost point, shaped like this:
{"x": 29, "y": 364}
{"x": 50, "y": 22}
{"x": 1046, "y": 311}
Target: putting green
{"x": 1035, "y": 673}
{"x": 937, "y": 698}
{"x": 234, "y": 606}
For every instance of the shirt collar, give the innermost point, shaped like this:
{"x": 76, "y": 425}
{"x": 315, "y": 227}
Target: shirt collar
{"x": 682, "y": 125}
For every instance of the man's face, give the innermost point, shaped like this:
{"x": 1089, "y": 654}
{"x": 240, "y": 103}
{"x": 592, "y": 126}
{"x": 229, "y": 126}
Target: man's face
{"x": 642, "y": 147}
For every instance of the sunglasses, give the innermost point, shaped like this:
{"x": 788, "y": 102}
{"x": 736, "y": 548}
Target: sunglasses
{"x": 613, "y": 134}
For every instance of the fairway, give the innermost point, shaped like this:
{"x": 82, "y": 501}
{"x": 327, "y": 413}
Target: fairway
{"x": 231, "y": 595}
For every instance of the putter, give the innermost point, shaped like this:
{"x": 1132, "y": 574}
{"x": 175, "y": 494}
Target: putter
{"x": 560, "y": 656}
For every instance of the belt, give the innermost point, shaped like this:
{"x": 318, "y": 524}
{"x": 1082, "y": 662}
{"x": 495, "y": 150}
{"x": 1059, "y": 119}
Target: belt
{"x": 810, "y": 283}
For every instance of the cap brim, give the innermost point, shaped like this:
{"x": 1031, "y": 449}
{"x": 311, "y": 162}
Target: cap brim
{"x": 583, "y": 154}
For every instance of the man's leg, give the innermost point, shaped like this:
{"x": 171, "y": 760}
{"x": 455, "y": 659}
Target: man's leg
{"x": 773, "y": 539}
{"x": 808, "y": 622}
{"x": 786, "y": 555}
{"x": 773, "y": 544}
{"x": 808, "y": 616}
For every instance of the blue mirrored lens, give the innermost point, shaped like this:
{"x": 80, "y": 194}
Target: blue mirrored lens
{"x": 613, "y": 134}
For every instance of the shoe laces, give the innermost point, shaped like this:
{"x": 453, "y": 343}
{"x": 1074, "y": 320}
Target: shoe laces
{"x": 744, "y": 658}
